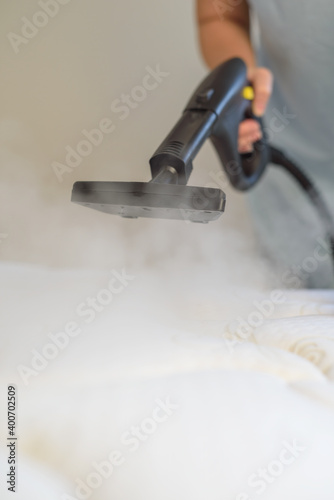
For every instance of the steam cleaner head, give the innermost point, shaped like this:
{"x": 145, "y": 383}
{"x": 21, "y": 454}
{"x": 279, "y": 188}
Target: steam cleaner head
{"x": 150, "y": 199}
{"x": 214, "y": 112}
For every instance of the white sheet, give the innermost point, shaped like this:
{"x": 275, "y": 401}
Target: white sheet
{"x": 240, "y": 401}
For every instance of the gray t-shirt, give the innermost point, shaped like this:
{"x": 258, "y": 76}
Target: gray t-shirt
{"x": 296, "y": 41}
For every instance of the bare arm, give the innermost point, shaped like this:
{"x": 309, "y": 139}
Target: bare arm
{"x": 224, "y": 32}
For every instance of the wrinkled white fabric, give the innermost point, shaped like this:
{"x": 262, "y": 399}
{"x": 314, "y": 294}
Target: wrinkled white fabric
{"x": 240, "y": 393}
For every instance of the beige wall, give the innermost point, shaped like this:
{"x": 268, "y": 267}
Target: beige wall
{"x": 66, "y": 77}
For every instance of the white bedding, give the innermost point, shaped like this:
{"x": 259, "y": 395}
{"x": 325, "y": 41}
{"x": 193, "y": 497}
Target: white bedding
{"x": 239, "y": 397}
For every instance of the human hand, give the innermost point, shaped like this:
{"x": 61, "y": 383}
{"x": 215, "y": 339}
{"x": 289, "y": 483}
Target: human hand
{"x": 249, "y": 129}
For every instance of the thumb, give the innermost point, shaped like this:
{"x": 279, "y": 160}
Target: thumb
{"x": 263, "y": 85}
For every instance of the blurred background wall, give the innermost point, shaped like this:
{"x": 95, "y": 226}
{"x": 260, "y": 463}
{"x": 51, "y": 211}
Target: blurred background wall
{"x": 65, "y": 78}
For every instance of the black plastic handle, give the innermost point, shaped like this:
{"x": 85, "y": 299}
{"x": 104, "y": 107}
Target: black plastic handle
{"x": 214, "y": 111}
{"x": 226, "y": 84}
{"x": 254, "y": 163}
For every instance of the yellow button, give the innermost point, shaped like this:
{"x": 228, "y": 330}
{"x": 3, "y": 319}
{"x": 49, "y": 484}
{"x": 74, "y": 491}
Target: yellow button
{"x": 248, "y": 93}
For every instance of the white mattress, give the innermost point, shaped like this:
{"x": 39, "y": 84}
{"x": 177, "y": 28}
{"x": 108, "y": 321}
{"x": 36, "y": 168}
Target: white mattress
{"x": 239, "y": 397}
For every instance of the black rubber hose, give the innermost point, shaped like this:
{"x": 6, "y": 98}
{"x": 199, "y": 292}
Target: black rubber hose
{"x": 279, "y": 159}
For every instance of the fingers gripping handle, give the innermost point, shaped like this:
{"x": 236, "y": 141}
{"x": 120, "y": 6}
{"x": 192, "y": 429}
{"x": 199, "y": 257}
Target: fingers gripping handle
{"x": 222, "y": 93}
{"x": 242, "y": 170}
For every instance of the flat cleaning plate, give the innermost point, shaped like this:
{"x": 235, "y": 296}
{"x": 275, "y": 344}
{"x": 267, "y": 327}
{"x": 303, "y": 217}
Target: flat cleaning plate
{"x": 148, "y": 199}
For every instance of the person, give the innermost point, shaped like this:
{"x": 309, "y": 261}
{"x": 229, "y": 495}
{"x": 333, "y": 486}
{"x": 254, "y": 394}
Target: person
{"x": 288, "y": 48}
